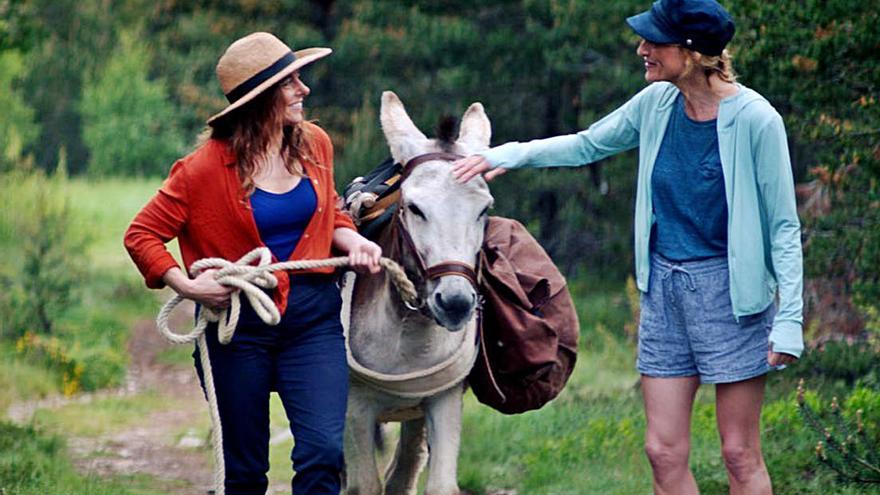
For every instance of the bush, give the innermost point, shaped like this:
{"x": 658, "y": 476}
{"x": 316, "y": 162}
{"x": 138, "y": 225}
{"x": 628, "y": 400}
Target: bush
{"x": 44, "y": 252}
{"x": 817, "y": 63}
{"x": 848, "y": 437}
{"x": 51, "y": 354}
{"x": 851, "y": 363}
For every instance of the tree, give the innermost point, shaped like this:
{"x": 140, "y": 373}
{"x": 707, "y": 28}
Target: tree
{"x": 129, "y": 125}
{"x": 17, "y": 127}
{"x": 817, "y": 62}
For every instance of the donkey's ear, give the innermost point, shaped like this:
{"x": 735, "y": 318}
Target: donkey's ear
{"x": 476, "y": 131}
{"x": 404, "y": 138}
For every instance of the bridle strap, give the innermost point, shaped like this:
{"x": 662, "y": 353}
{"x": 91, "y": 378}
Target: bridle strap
{"x": 445, "y": 268}
{"x": 453, "y": 268}
{"x": 427, "y": 157}
{"x": 441, "y": 269}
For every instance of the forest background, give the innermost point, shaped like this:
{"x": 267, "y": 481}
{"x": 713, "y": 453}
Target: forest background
{"x": 99, "y": 98}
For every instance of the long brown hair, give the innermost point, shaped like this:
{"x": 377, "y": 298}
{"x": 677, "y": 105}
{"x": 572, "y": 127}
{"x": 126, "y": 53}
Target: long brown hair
{"x": 252, "y": 132}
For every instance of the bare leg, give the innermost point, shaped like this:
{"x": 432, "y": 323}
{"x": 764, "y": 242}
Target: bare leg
{"x": 738, "y": 408}
{"x": 668, "y": 405}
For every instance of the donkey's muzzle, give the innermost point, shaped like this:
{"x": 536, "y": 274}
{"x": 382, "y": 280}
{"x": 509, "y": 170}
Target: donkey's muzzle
{"x": 458, "y": 305}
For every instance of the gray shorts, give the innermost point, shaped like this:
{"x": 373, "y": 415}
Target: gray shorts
{"x": 687, "y": 327}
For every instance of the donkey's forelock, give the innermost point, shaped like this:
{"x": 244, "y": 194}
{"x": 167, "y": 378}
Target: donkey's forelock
{"x": 447, "y": 132}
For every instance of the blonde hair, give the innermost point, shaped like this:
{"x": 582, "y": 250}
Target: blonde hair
{"x": 713, "y": 64}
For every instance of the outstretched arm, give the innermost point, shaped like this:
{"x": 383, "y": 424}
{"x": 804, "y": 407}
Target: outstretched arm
{"x": 616, "y": 132}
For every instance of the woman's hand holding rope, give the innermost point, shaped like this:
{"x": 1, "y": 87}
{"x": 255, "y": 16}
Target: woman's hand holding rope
{"x": 203, "y": 289}
{"x": 252, "y": 280}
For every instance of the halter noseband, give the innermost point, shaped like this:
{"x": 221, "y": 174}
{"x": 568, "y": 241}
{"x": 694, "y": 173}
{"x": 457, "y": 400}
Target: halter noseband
{"x": 443, "y": 268}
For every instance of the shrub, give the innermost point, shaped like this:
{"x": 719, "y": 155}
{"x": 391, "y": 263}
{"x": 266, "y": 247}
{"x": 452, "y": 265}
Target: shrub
{"x": 840, "y": 360}
{"x": 848, "y": 445}
{"x": 45, "y": 252}
{"x": 52, "y": 354}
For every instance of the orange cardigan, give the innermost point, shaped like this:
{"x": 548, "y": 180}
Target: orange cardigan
{"x": 203, "y": 205}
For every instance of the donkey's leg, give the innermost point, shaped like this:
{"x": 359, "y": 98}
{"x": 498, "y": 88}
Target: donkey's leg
{"x": 361, "y": 473}
{"x": 403, "y": 474}
{"x": 444, "y": 431}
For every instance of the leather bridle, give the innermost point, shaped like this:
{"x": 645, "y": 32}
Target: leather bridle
{"x": 405, "y": 242}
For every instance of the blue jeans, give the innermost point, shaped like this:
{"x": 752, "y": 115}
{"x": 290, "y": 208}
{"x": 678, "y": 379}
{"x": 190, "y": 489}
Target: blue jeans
{"x": 303, "y": 359}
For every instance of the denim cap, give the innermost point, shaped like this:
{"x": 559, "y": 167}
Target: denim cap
{"x": 700, "y": 25}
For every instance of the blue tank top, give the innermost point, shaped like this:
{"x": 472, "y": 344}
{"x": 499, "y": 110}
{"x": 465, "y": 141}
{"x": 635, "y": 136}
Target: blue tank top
{"x": 689, "y": 202}
{"x": 282, "y": 218}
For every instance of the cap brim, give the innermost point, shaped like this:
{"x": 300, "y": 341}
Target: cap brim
{"x": 303, "y": 57}
{"x": 646, "y": 26}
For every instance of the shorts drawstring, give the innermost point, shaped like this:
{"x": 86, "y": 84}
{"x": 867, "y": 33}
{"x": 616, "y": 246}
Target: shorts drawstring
{"x": 689, "y": 280}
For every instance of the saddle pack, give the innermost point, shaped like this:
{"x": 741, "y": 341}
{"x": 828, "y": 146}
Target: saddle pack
{"x": 372, "y": 200}
{"x": 528, "y": 324}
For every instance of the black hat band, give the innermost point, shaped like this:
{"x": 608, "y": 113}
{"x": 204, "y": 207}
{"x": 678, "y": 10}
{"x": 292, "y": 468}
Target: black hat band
{"x": 260, "y": 77}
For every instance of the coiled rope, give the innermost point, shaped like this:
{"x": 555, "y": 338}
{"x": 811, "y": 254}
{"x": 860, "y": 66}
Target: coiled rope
{"x": 249, "y": 279}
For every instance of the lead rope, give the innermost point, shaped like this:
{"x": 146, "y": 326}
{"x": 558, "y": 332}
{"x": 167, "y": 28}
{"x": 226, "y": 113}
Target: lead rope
{"x": 246, "y": 277}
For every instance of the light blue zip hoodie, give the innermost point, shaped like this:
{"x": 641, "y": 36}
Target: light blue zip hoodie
{"x": 763, "y": 231}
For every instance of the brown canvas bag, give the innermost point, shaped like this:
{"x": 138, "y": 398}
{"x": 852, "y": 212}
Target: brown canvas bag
{"x": 528, "y": 344}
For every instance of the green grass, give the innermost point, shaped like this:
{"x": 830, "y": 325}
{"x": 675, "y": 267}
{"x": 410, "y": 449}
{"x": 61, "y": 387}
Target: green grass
{"x": 100, "y": 416}
{"x": 105, "y": 208}
{"x": 93, "y": 332}
{"x": 178, "y": 355}
{"x": 34, "y": 463}
{"x": 585, "y": 441}
{"x": 20, "y": 380}
{"x": 281, "y": 469}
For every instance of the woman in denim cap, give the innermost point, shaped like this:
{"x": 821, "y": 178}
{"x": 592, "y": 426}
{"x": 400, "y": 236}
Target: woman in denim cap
{"x": 717, "y": 237}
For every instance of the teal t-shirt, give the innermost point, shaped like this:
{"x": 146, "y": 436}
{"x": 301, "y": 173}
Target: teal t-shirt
{"x": 689, "y": 205}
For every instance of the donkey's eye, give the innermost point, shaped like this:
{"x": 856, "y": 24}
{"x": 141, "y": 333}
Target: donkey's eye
{"x": 415, "y": 211}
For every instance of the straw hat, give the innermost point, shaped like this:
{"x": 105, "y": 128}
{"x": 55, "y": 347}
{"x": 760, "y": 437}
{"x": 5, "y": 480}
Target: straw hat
{"x": 256, "y": 62}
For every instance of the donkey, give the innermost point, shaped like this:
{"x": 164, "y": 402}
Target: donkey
{"x": 408, "y": 363}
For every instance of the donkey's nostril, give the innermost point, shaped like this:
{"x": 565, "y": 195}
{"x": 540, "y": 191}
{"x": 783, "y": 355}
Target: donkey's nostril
{"x": 454, "y": 304}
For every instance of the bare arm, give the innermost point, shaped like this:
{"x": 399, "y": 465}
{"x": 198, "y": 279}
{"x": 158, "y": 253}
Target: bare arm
{"x": 362, "y": 252}
{"x": 202, "y": 289}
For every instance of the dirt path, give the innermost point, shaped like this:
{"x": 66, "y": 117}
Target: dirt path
{"x": 150, "y": 447}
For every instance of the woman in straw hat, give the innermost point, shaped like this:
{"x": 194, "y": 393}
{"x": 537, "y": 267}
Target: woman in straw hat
{"x": 717, "y": 237}
{"x": 263, "y": 177}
